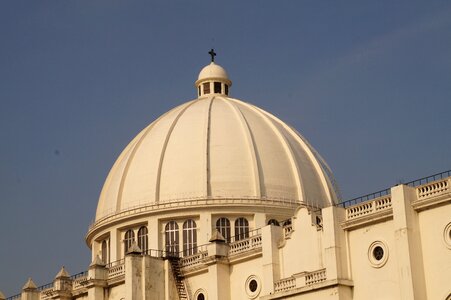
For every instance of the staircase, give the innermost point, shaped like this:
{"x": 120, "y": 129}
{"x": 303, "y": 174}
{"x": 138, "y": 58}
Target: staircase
{"x": 178, "y": 277}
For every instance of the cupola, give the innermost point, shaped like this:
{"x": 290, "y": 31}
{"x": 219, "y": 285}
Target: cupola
{"x": 213, "y": 79}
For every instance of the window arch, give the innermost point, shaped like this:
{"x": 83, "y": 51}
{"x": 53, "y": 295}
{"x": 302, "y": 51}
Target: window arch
{"x": 128, "y": 240}
{"x": 189, "y": 238}
{"x": 273, "y": 222}
{"x": 241, "y": 229}
{"x": 143, "y": 243}
{"x": 105, "y": 251}
{"x": 223, "y": 226}
{"x": 172, "y": 238}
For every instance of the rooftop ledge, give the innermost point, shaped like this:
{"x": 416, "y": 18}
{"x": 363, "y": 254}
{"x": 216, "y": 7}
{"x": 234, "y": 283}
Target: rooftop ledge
{"x": 380, "y": 209}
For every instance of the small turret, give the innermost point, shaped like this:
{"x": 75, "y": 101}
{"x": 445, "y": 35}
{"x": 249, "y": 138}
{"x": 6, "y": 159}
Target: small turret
{"x": 213, "y": 79}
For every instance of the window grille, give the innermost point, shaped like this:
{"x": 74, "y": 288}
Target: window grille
{"x": 189, "y": 238}
{"x": 143, "y": 243}
{"x": 128, "y": 240}
{"x": 241, "y": 229}
{"x": 172, "y": 238}
{"x": 223, "y": 226}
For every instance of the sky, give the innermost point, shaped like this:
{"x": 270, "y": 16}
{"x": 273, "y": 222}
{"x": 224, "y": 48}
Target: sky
{"x": 368, "y": 83}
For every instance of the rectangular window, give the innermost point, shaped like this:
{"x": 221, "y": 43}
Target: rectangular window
{"x": 206, "y": 88}
{"x": 226, "y": 89}
{"x": 217, "y": 87}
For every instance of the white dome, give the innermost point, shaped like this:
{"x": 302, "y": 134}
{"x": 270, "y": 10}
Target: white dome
{"x": 212, "y": 72}
{"x": 216, "y": 148}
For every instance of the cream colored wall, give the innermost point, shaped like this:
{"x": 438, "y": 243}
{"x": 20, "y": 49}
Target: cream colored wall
{"x": 436, "y": 252}
{"x": 240, "y": 272}
{"x": 200, "y": 281}
{"x": 370, "y": 282}
{"x": 116, "y": 292}
{"x": 302, "y": 252}
{"x": 83, "y": 297}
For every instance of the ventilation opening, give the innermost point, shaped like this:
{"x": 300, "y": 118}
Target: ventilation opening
{"x": 217, "y": 87}
{"x": 206, "y": 88}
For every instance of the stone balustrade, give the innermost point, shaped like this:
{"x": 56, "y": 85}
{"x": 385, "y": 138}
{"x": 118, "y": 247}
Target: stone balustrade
{"x": 285, "y": 284}
{"x": 287, "y": 230}
{"x": 116, "y": 270}
{"x": 80, "y": 282}
{"x": 300, "y": 280}
{"x": 46, "y": 293}
{"x": 315, "y": 277}
{"x": 192, "y": 260}
{"x": 433, "y": 189}
{"x": 370, "y": 207}
{"x": 253, "y": 242}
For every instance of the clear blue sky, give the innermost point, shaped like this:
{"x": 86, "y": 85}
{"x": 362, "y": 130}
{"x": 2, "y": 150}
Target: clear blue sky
{"x": 368, "y": 83}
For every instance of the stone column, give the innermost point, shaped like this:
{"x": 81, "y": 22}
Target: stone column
{"x": 30, "y": 291}
{"x": 97, "y": 279}
{"x": 153, "y": 278}
{"x": 134, "y": 274}
{"x": 62, "y": 285}
{"x": 218, "y": 268}
{"x": 407, "y": 244}
{"x": 334, "y": 243}
{"x": 271, "y": 237}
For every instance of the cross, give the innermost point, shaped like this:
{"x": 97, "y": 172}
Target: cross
{"x": 213, "y": 54}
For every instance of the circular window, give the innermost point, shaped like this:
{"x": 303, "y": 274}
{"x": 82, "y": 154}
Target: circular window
{"x": 253, "y": 286}
{"x": 378, "y": 254}
{"x": 447, "y": 235}
{"x": 200, "y": 294}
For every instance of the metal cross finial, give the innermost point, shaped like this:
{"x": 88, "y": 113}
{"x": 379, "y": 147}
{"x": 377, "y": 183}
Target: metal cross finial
{"x": 213, "y": 54}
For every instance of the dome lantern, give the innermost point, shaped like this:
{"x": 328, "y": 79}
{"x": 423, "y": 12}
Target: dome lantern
{"x": 213, "y": 79}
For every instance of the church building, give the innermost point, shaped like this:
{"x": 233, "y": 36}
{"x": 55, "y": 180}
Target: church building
{"x": 218, "y": 199}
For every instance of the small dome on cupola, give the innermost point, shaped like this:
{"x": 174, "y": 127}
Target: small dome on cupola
{"x": 213, "y": 79}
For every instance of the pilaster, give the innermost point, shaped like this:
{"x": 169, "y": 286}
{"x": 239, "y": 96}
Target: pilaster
{"x": 134, "y": 276}
{"x": 62, "y": 285}
{"x": 30, "y": 291}
{"x": 218, "y": 268}
{"x": 408, "y": 244}
{"x": 97, "y": 275}
{"x": 271, "y": 238}
{"x": 334, "y": 243}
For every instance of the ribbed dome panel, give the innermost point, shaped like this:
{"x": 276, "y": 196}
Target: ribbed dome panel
{"x": 229, "y": 176}
{"x": 216, "y": 147}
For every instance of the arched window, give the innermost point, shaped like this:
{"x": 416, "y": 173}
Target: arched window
{"x": 189, "y": 238}
{"x": 128, "y": 240}
{"x": 105, "y": 252}
{"x": 273, "y": 222}
{"x": 223, "y": 226}
{"x": 241, "y": 229}
{"x": 172, "y": 238}
{"x": 142, "y": 238}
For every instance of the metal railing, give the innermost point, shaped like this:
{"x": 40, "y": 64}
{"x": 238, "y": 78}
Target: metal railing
{"x": 244, "y": 235}
{"x": 364, "y": 198}
{"x": 386, "y": 192}
{"x": 79, "y": 275}
{"x": 425, "y": 180}
{"x": 14, "y": 297}
{"x": 45, "y": 286}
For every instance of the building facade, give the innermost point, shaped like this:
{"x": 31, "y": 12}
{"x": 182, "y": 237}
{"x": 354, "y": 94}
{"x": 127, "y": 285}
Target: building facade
{"x": 219, "y": 199}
